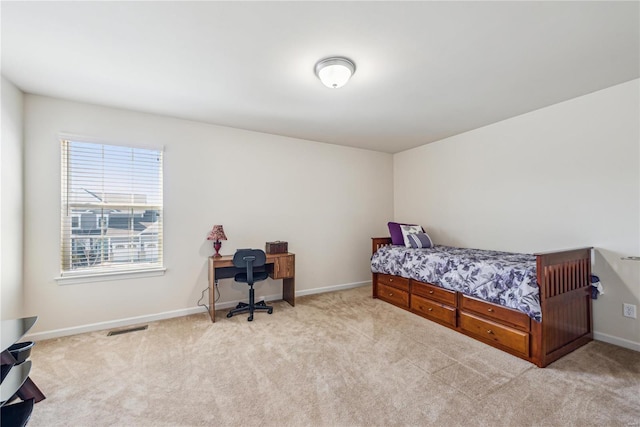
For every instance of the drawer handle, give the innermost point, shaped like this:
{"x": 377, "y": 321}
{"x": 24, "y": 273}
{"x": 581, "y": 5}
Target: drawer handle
{"x": 489, "y": 331}
{"x": 390, "y": 294}
{"x": 430, "y": 292}
{"x": 391, "y": 280}
{"x": 490, "y": 310}
{"x": 430, "y": 309}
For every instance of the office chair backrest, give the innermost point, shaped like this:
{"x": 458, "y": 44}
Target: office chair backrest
{"x": 249, "y": 258}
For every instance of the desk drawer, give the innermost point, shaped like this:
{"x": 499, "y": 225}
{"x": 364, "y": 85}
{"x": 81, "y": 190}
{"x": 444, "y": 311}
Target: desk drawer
{"x": 487, "y": 330}
{"x": 393, "y": 295}
{"x": 432, "y": 310}
{"x": 433, "y": 292}
{"x": 284, "y": 267}
{"x": 395, "y": 281}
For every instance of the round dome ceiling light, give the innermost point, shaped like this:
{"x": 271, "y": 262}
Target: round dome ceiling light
{"x": 335, "y": 72}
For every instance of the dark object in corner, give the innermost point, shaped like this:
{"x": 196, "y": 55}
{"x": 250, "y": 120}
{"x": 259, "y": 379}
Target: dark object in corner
{"x": 18, "y": 414}
{"x": 21, "y": 351}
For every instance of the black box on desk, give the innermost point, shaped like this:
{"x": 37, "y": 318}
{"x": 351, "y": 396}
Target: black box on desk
{"x": 277, "y": 247}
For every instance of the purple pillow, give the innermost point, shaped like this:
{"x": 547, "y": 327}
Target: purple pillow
{"x": 396, "y": 233}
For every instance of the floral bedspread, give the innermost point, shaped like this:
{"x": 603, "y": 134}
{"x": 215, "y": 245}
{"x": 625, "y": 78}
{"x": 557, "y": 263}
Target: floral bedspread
{"x": 502, "y": 278}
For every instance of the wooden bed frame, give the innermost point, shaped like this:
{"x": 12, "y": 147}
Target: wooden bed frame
{"x": 565, "y": 299}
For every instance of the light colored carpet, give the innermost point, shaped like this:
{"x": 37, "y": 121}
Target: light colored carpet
{"x": 336, "y": 359}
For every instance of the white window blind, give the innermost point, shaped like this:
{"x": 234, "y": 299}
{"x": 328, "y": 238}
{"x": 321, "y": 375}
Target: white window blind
{"x": 111, "y": 208}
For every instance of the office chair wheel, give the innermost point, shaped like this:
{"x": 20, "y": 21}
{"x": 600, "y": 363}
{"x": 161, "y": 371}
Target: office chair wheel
{"x": 250, "y": 319}
{"x": 270, "y": 311}
{"x": 229, "y": 314}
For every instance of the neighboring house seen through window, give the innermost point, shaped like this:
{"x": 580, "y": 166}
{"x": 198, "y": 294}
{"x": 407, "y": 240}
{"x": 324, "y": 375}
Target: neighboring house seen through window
{"x": 111, "y": 208}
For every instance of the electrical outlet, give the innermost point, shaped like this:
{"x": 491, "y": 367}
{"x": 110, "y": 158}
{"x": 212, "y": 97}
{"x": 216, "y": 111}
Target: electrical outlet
{"x": 629, "y": 310}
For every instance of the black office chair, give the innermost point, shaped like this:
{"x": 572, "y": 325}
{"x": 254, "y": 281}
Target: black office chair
{"x": 249, "y": 259}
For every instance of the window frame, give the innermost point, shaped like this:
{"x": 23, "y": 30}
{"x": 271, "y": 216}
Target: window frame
{"x": 134, "y": 269}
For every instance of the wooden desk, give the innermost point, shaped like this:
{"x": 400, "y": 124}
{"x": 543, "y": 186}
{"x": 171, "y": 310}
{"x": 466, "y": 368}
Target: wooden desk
{"x": 279, "y": 266}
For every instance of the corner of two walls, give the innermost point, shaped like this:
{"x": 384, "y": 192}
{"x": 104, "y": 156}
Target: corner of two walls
{"x": 11, "y": 201}
{"x": 563, "y": 176}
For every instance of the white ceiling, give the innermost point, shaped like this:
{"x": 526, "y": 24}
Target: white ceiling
{"x": 425, "y": 70}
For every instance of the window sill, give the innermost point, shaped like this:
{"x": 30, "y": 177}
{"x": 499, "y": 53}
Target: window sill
{"x": 75, "y": 279}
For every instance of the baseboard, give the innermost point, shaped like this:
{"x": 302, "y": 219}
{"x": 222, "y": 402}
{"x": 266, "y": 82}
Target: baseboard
{"x": 620, "y": 342}
{"x": 57, "y": 333}
{"x": 275, "y": 297}
{"x": 332, "y": 288}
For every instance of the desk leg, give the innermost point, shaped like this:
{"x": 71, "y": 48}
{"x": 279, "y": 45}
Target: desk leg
{"x": 212, "y": 299}
{"x": 289, "y": 290}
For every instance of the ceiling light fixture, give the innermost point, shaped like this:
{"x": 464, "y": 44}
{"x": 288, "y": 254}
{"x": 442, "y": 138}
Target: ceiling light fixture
{"x": 335, "y": 72}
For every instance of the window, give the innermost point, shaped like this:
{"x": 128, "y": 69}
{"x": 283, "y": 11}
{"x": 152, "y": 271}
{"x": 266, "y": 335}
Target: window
{"x": 103, "y": 220}
{"x": 75, "y": 222}
{"x": 111, "y": 209}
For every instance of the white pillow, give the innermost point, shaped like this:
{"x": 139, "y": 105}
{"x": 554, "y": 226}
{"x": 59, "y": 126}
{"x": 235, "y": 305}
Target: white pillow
{"x": 409, "y": 229}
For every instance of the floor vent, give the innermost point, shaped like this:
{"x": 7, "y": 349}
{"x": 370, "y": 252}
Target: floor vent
{"x": 126, "y": 331}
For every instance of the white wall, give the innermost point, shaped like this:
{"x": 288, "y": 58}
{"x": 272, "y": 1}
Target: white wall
{"x": 325, "y": 200}
{"x": 11, "y": 201}
{"x": 560, "y": 177}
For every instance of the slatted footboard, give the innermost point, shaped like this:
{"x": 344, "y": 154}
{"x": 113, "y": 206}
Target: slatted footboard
{"x": 565, "y": 299}
{"x": 564, "y": 279}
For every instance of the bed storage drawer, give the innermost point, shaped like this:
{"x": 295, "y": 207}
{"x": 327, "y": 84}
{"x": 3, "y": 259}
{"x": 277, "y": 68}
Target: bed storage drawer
{"x": 393, "y": 295}
{"x": 395, "y": 281}
{"x": 493, "y": 311}
{"x": 433, "y": 292}
{"x": 433, "y": 310}
{"x": 513, "y": 339}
